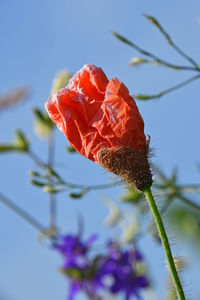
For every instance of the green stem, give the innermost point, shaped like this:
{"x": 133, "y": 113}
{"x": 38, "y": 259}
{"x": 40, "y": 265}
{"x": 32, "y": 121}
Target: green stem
{"x": 165, "y": 243}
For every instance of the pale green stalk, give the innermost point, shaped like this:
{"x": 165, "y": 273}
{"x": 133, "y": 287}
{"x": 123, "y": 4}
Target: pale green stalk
{"x": 165, "y": 243}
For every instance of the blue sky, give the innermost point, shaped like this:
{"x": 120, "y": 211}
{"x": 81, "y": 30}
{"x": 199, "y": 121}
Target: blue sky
{"x": 38, "y": 38}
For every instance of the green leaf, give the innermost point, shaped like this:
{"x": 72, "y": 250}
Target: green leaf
{"x": 43, "y": 124}
{"x": 61, "y": 80}
{"x": 49, "y": 189}
{"x": 38, "y": 114}
{"x": 21, "y": 142}
{"x": 54, "y": 174}
{"x": 142, "y": 51}
{"x": 48, "y": 120}
{"x": 159, "y": 27}
{"x": 145, "y": 97}
{"x": 171, "y": 43}
{"x": 37, "y": 183}
{"x": 132, "y": 196}
{"x": 38, "y": 175}
{"x": 155, "y": 59}
{"x": 76, "y": 195}
{"x": 135, "y": 198}
{"x": 72, "y": 273}
{"x": 52, "y": 189}
{"x": 122, "y": 38}
{"x": 79, "y": 195}
{"x": 70, "y": 149}
{"x": 34, "y": 173}
{"x": 137, "y": 61}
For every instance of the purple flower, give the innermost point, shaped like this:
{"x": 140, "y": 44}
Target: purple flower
{"x": 70, "y": 245}
{"x": 77, "y": 266}
{"x": 120, "y": 266}
{"x": 90, "y": 274}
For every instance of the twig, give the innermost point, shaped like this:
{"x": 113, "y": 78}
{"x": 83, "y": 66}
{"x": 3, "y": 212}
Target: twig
{"x": 37, "y": 159}
{"x": 52, "y": 198}
{"x": 72, "y": 185}
{"x": 184, "y": 55}
{"x": 155, "y": 57}
{"x": 188, "y": 202}
{"x": 170, "y": 41}
{"x": 22, "y": 213}
{"x": 169, "y": 90}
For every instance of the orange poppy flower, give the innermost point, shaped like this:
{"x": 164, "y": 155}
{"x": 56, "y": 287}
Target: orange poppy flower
{"x": 94, "y": 113}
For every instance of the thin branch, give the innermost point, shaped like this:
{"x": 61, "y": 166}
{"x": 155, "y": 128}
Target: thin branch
{"x": 22, "y": 213}
{"x": 72, "y": 185}
{"x": 194, "y": 188}
{"x": 167, "y": 91}
{"x": 52, "y": 198}
{"x": 188, "y": 202}
{"x": 183, "y": 54}
{"x": 167, "y": 204}
{"x": 37, "y": 159}
{"x": 170, "y": 41}
{"x": 156, "y": 58}
{"x": 94, "y": 187}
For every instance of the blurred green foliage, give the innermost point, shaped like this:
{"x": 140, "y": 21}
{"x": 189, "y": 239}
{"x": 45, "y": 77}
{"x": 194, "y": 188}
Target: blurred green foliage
{"x": 42, "y": 123}
{"x": 20, "y": 144}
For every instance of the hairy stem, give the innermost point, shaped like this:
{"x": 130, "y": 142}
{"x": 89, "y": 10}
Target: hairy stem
{"x": 165, "y": 243}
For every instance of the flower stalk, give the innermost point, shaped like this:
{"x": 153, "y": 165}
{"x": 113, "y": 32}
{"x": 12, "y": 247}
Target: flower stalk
{"x": 165, "y": 243}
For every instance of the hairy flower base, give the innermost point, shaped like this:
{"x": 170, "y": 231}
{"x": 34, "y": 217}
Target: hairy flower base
{"x": 131, "y": 165}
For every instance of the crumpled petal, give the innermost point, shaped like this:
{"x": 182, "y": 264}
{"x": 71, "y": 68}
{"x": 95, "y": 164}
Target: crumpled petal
{"x": 94, "y": 113}
{"x": 123, "y": 115}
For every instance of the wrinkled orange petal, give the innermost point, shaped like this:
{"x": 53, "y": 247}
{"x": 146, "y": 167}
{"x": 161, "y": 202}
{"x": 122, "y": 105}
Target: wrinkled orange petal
{"x": 74, "y": 112}
{"x": 95, "y": 113}
{"x": 123, "y": 115}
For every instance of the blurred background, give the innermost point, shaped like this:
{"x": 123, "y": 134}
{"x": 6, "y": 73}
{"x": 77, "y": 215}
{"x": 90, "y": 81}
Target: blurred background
{"x": 39, "y": 38}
